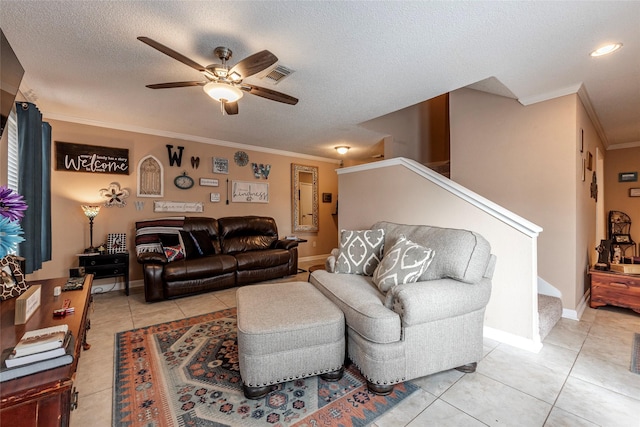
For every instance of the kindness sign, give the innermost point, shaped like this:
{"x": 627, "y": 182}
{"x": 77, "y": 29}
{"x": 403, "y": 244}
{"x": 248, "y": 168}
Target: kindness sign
{"x": 91, "y": 158}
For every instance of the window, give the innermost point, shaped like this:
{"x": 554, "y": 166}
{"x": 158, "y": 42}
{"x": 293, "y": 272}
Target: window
{"x": 12, "y": 157}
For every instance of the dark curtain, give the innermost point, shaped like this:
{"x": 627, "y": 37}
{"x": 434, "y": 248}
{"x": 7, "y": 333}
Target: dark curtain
{"x": 34, "y": 183}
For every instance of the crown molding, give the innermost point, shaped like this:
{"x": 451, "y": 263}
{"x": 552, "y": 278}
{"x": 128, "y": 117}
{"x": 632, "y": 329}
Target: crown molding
{"x": 185, "y": 137}
{"x": 624, "y": 145}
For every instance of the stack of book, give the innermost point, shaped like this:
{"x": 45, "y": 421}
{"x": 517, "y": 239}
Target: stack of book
{"x": 37, "y": 351}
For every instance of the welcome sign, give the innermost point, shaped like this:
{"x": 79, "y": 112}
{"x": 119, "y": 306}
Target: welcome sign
{"x": 91, "y": 158}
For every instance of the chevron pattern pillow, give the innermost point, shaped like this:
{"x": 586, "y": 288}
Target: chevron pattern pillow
{"x": 360, "y": 251}
{"x": 403, "y": 263}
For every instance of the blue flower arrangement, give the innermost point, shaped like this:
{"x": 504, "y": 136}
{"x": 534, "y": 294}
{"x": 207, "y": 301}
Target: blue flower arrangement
{"x": 12, "y": 208}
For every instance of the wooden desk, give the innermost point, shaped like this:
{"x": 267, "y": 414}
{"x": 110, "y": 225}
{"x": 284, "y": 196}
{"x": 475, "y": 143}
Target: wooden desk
{"x": 612, "y": 288}
{"x": 44, "y": 398}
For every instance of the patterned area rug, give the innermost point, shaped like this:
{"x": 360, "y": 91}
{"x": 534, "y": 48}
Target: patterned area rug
{"x": 185, "y": 373}
{"x": 635, "y": 355}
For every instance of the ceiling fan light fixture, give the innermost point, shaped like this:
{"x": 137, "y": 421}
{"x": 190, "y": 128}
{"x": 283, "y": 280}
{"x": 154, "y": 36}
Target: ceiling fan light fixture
{"x": 342, "y": 149}
{"x": 605, "y": 50}
{"x": 219, "y": 91}
{"x": 235, "y": 76}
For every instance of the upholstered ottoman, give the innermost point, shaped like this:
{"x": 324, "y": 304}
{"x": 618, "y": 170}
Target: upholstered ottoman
{"x": 287, "y": 331}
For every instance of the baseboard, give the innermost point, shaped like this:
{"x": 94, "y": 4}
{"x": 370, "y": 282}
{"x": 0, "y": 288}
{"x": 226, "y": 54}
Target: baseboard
{"x": 100, "y": 286}
{"x": 577, "y": 313}
{"x": 512, "y": 340}
{"x": 314, "y": 258}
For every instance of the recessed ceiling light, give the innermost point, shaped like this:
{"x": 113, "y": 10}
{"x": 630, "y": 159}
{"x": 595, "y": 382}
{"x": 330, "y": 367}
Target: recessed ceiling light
{"x": 605, "y": 50}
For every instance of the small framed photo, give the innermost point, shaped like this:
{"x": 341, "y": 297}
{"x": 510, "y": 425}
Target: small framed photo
{"x": 220, "y": 165}
{"x": 326, "y": 197}
{"x": 589, "y": 160}
{"x": 208, "y": 182}
{"x": 634, "y": 192}
{"x": 627, "y": 176}
{"x": 215, "y": 197}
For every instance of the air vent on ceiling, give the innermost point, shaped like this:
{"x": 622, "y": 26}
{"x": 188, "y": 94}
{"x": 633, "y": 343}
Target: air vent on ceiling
{"x": 276, "y": 75}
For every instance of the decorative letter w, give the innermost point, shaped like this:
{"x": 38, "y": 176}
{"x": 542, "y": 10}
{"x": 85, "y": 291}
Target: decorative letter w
{"x": 175, "y": 157}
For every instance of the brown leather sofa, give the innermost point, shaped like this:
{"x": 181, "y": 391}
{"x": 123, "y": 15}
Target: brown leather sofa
{"x": 188, "y": 255}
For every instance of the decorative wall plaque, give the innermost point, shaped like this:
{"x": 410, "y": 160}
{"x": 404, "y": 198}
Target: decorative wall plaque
{"x": 91, "y": 158}
{"x": 250, "y": 192}
{"x": 161, "y": 206}
{"x": 150, "y": 177}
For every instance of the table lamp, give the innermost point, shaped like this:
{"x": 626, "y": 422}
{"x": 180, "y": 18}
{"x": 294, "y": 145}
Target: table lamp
{"x": 91, "y": 212}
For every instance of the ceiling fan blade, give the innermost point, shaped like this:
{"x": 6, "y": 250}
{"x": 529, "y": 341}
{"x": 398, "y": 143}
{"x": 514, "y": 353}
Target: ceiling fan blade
{"x": 175, "y": 84}
{"x": 269, "y": 94}
{"x": 230, "y": 108}
{"x": 172, "y": 53}
{"x": 254, "y": 64}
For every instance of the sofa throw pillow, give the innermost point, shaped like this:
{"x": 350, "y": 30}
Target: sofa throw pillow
{"x": 188, "y": 245}
{"x": 173, "y": 253}
{"x": 12, "y": 282}
{"x": 203, "y": 242}
{"x": 360, "y": 251}
{"x": 403, "y": 263}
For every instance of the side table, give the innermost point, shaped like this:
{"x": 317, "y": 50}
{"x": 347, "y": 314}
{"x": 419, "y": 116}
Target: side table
{"x": 612, "y": 288}
{"x": 107, "y": 265}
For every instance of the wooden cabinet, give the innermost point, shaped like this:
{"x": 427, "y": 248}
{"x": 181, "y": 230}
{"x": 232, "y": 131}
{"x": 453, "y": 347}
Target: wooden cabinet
{"x": 611, "y": 288}
{"x": 45, "y": 398}
{"x": 107, "y": 265}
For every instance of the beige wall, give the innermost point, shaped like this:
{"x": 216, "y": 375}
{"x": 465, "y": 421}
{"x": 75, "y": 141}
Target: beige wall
{"x": 617, "y": 193}
{"x": 403, "y": 196}
{"x": 71, "y": 189}
{"x": 528, "y": 160}
{"x": 586, "y": 206}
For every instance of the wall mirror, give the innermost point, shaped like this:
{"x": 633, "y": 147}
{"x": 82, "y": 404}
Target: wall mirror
{"x": 304, "y": 197}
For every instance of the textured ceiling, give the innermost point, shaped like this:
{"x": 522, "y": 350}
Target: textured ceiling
{"x": 352, "y": 62}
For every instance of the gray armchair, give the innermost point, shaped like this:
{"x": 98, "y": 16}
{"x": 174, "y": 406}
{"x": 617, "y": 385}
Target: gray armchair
{"x": 420, "y": 328}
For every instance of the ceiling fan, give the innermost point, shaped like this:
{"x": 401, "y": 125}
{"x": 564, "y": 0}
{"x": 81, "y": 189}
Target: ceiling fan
{"x": 225, "y": 84}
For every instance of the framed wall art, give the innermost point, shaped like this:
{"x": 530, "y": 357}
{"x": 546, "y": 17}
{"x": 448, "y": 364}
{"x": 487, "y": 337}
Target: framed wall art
{"x": 150, "y": 177}
{"x": 627, "y": 176}
{"x": 162, "y": 206}
{"x": 220, "y": 165}
{"x": 91, "y": 158}
{"x": 249, "y": 192}
{"x": 634, "y": 192}
{"x": 208, "y": 182}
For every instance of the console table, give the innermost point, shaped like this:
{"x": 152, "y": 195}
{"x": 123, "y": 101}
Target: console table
{"x": 103, "y": 266}
{"x": 45, "y": 398}
{"x": 612, "y": 288}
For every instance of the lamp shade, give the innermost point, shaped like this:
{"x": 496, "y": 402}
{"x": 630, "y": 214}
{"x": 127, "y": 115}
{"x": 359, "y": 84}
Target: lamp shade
{"x": 342, "y": 149}
{"x": 220, "y": 91}
{"x": 91, "y": 211}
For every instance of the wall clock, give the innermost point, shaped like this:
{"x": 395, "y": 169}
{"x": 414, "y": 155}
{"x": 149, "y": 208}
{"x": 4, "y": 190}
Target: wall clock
{"x": 184, "y": 182}
{"x": 241, "y": 158}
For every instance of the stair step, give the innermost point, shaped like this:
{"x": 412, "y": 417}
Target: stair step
{"x": 549, "y": 312}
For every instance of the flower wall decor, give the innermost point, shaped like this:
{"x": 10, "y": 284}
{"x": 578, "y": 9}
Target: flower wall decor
{"x": 12, "y": 204}
{"x": 115, "y": 195}
{"x": 12, "y": 208}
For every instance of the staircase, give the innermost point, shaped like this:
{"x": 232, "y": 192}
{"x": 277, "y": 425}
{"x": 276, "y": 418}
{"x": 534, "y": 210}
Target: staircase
{"x": 549, "y": 312}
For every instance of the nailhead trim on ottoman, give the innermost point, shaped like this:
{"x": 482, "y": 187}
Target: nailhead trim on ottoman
{"x": 287, "y": 331}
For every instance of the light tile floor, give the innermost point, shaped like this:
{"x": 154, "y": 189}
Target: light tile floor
{"x": 580, "y": 377}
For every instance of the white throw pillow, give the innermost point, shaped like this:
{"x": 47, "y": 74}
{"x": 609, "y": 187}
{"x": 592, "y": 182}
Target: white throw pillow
{"x": 403, "y": 263}
{"x": 360, "y": 251}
